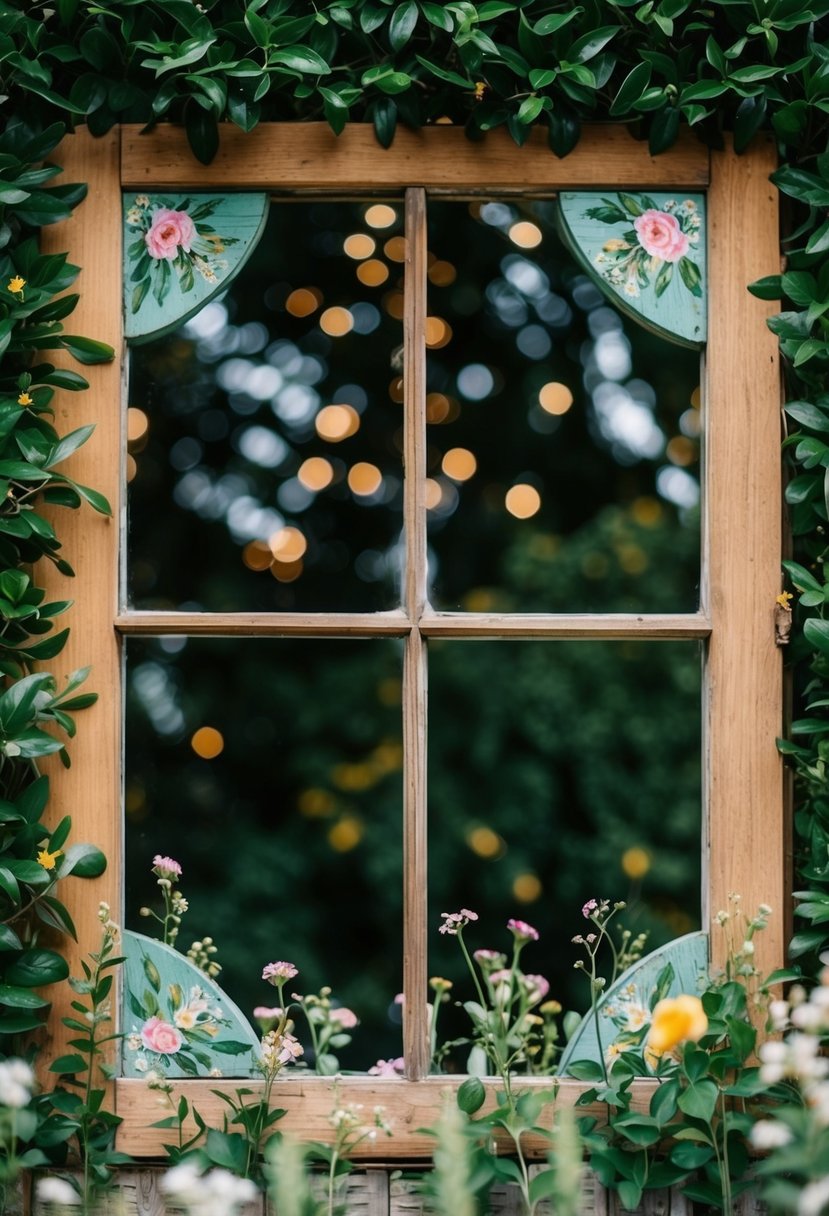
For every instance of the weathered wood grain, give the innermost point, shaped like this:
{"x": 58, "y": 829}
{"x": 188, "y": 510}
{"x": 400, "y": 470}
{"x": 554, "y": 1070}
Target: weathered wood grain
{"x": 742, "y": 540}
{"x": 91, "y": 790}
{"x": 308, "y": 156}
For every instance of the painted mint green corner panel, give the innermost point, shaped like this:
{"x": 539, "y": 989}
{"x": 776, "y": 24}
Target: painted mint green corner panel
{"x": 626, "y": 1006}
{"x": 646, "y": 252}
{"x": 181, "y": 250}
{"x": 177, "y": 1021}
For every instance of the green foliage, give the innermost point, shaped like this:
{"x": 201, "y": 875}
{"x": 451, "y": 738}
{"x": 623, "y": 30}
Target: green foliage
{"x": 78, "y": 1115}
{"x": 658, "y": 66}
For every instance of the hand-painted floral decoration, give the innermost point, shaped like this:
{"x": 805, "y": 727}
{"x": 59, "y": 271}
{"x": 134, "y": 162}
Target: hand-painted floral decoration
{"x": 176, "y": 1027}
{"x": 656, "y": 242}
{"x": 173, "y": 238}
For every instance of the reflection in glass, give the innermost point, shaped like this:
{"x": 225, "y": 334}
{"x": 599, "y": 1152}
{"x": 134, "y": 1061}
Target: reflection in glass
{"x": 560, "y": 772}
{"x": 265, "y": 434}
{"x": 271, "y": 771}
{"x": 563, "y": 444}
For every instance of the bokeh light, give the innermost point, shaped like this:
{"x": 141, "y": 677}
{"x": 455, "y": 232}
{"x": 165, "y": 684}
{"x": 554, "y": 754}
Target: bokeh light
{"x": 359, "y": 245}
{"x": 459, "y": 464}
{"x": 380, "y": 215}
{"x": 207, "y": 742}
{"x": 288, "y": 544}
{"x": 337, "y": 422}
{"x": 316, "y": 473}
{"x": 555, "y": 398}
{"x": 364, "y": 478}
{"x": 525, "y": 234}
{"x": 336, "y": 322}
{"x": 523, "y": 501}
{"x": 303, "y": 302}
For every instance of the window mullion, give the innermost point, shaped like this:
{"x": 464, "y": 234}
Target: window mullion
{"x": 415, "y": 1021}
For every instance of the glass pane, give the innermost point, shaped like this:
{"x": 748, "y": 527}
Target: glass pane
{"x": 271, "y": 771}
{"x": 579, "y": 780}
{"x": 265, "y": 435}
{"x": 563, "y": 455}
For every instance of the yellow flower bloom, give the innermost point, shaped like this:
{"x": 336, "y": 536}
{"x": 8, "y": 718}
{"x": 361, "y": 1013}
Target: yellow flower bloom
{"x": 783, "y": 599}
{"x": 16, "y": 284}
{"x": 47, "y": 859}
{"x": 677, "y": 1019}
{"x": 24, "y": 399}
{"x": 438, "y": 984}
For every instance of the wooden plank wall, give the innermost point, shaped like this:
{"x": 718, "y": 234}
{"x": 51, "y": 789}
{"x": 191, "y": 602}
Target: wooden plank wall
{"x": 382, "y": 1193}
{"x": 395, "y": 1193}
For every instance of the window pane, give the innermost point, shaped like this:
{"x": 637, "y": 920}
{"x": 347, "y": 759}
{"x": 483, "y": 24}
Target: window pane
{"x": 271, "y": 771}
{"x": 563, "y": 456}
{"x": 561, "y": 772}
{"x": 264, "y": 454}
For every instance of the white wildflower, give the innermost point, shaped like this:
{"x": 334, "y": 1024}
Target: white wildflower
{"x": 768, "y": 1134}
{"x": 813, "y": 1198}
{"x": 779, "y": 1014}
{"x": 52, "y": 1189}
{"x": 16, "y": 1083}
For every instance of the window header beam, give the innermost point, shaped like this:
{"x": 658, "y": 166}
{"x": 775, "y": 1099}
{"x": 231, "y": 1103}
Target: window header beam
{"x": 299, "y": 156}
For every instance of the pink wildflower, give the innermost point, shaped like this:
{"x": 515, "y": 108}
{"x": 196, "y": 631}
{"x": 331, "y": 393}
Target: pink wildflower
{"x": 589, "y": 908}
{"x": 501, "y": 977}
{"x": 489, "y": 958}
{"x": 292, "y": 1049}
{"x": 165, "y": 867}
{"x": 267, "y": 1016}
{"x": 455, "y": 921}
{"x": 537, "y": 987}
{"x": 522, "y": 932}
{"x": 346, "y": 1018}
{"x": 280, "y": 971}
{"x": 387, "y": 1068}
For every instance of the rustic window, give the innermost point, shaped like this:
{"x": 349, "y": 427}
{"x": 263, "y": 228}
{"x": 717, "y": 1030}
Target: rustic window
{"x": 422, "y": 180}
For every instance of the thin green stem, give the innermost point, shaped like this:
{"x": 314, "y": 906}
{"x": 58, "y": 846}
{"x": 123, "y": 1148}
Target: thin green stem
{"x": 725, "y": 1170}
{"x": 332, "y": 1173}
{"x": 472, "y": 970}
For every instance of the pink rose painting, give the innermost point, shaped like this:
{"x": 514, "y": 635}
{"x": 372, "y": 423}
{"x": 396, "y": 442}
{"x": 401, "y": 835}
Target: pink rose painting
{"x": 660, "y": 235}
{"x": 171, "y": 241}
{"x": 161, "y": 1037}
{"x": 658, "y": 239}
{"x": 169, "y": 231}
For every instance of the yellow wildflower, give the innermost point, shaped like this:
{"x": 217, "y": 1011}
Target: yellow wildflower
{"x": 439, "y": 984}
{"x": 480, "y": 90}
{"x": 16, "y": 284}
{"x": 24, "y": 399}
{"x": 47, "y": 859}
{"x": 677, "y": 1019}
{"x": 783, "y": 599}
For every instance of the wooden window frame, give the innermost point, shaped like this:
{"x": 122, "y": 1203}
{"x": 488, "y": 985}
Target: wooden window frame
{"x": 744, "y": 823}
